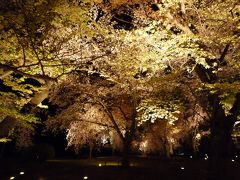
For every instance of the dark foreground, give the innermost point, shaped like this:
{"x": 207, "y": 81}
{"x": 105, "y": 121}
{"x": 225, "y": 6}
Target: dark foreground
{"x": 109, "y": 169}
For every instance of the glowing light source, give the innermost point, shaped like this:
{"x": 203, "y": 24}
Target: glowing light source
{"x": 12, "y": 177}
{"x": 21, "y": 173}
{"x": 85, "y": 177}
{"x": 198, "y": 136}
{"x": 100, "y": 165}
{"x": 143, "y": 146}
{"x": 182, "y": 168}
{"x": 236, "y": 156}
{"x": 104, "y": 139}
{"x": 206, "y": 157}
{"x": 190, "y": 157}
{"x": 41, "y": 178}
{"x": 171, "y": 140}
{"x": 233, "y": 160}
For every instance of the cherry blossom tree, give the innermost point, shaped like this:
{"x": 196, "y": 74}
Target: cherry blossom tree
{"x": 175, "y": 43}
{"x": 144, "y": 49}
{"x": 35, "y": 37}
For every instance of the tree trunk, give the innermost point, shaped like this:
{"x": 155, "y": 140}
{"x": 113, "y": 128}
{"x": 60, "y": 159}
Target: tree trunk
{"x": 221, "y": 140}
{"x": 127, "y": 141}
{"x": 221, "y": 147}
{"x": 129, "y": 138}
{"x": 125, "y": 154}
{"x": 166, "y": 148}
{"x": 113, "y": 151}
{"x": 90, "y": 151}
{"x": 2, "y": 145}
{"x": 221, "y": 124}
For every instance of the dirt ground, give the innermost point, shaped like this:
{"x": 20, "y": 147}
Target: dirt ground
{"x": 108, "y": 168}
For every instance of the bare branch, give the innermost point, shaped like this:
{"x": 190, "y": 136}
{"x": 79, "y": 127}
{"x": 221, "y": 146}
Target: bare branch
{"x": 98, "y": 123}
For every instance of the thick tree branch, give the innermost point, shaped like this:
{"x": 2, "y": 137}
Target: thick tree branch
{"x": 124, "y": 115}
{"x": 5, "y": 74}
{"x": 224, "y": 53}
{"x": 235, "y": 110}
{"x": 183, "y": 8}
{"x": 110, "y": 115}
{"x": 206, "y": 75}
{"x": 175, "y": 21}
{"x": 34, "y": 76}
{"x": 197, "y": 100}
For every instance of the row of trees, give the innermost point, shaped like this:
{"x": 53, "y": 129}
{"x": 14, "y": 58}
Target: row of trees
{"x": 172, "y": 63}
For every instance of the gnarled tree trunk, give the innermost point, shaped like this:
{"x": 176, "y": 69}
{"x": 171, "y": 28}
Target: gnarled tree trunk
{"x": 221, "y": 139}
